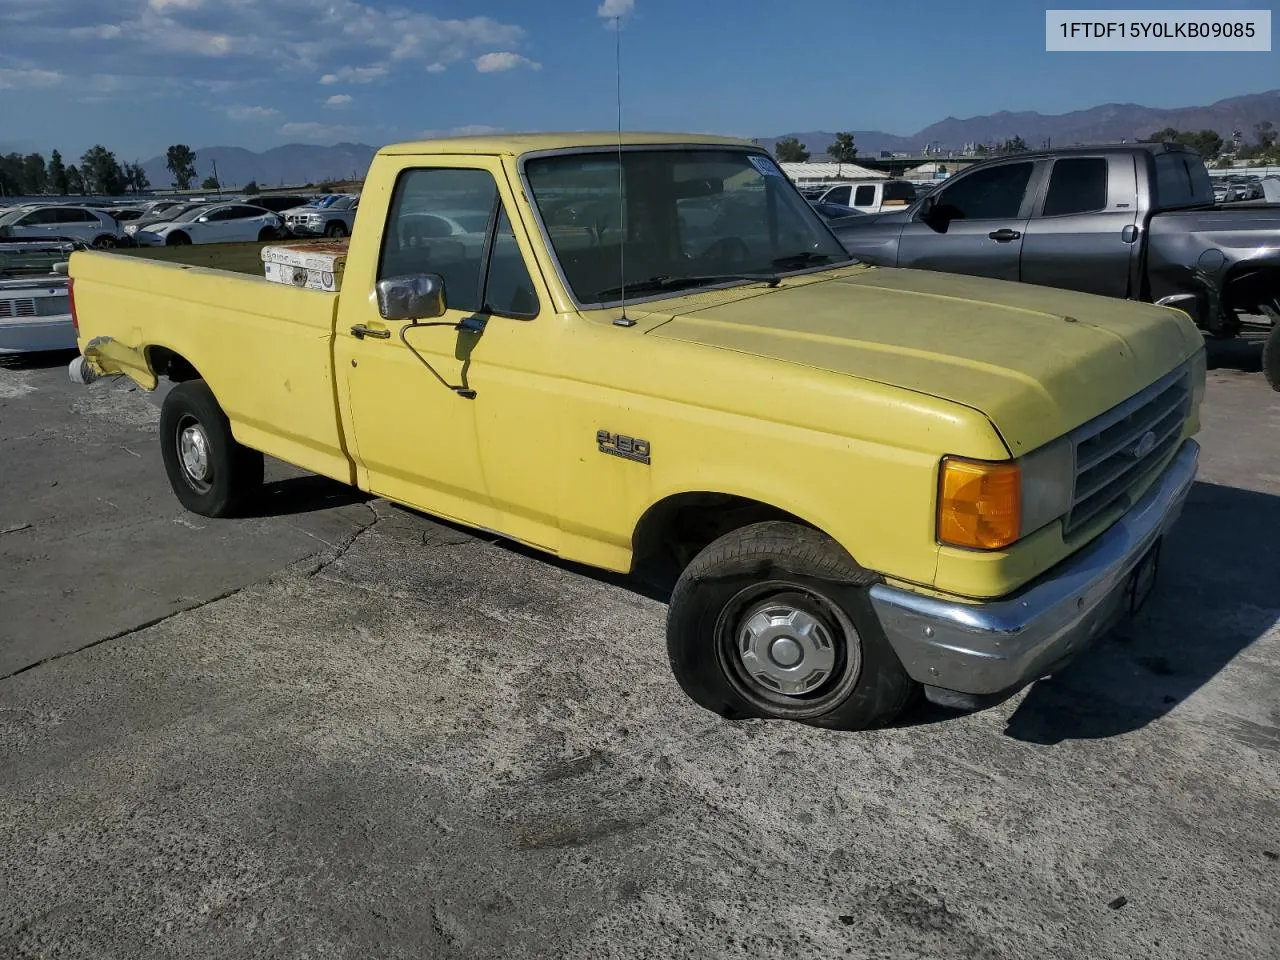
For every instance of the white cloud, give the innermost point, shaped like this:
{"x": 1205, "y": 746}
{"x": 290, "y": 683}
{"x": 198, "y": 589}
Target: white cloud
{"x": 338, "y": 101}
{"x": 311, "y": 130}
{"x": 504, "y": 60}
{"x": 31, "y": 79}
{"x": 188, "y": 41}
{"x": 354, "y": 75}
{"x": 611, "y": 9}
{"x": 436, "y": 68}
{"x": 252, "y": 113}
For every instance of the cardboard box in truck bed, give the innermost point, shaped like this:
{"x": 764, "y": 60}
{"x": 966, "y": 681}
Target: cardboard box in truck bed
{"x": 316, "y": 264}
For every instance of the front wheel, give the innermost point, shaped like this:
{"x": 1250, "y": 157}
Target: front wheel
{"x": 267, "y": 234}
{"x": 774, "y": 620}
{"x": 210, "y": 472}
{"x": 178, "y": 239}
{"x": 104, "y": 242}
{"x": 336, "y": 230}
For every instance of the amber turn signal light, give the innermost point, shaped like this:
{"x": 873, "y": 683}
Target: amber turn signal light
{"x": 979, "y": 504}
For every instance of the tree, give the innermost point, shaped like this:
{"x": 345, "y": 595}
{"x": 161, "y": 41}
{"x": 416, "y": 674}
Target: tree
{"x": 209, "y": 183}
{"x": 101, "y": 172}
{"x": 75, "y": 182}
{"x": 251, "y": 188}
{"x": 35, "y": 174}
{"x": 1016, "y": 145}
{"x": 57, "y": 173}
{"x": 790, "y": 150}
{"x": 181, "y": 162}
{"x": 843, "y": 150}
{"x": 1265, "y": 135}
{"x": 1208, "y": 143}
{"x": 135, "y": 178}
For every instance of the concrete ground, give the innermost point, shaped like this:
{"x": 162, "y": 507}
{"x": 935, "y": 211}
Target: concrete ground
{"x": 342, "y": 730}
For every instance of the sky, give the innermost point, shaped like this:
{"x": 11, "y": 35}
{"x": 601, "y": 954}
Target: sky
{"x": 138, "y": 75}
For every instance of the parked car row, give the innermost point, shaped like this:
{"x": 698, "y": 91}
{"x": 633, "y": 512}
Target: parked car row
{"x": 178, "y": 221}
{"x": 1229, "y": 188}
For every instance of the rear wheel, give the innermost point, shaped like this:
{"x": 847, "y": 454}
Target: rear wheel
{"x": 211, "y": 473}
{"x": 178, "y": 239}
{"x": 104, "y": 242}
{"x": 774, "y": 620}
{"x": 336, "y": 230}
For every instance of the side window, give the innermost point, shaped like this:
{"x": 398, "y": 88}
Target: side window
{"x": 38, "y": 218}
{"x": 1078, "y": 185}
{"x": 865, "y": 196}
{"x": 438, "y": 223}
{"x": 839, "y": 195}
{"x": 213, "y": 216}
{"x": 994, "y": 194}
{"x": 508, "y": 288}
{"x": 75, "y": 215}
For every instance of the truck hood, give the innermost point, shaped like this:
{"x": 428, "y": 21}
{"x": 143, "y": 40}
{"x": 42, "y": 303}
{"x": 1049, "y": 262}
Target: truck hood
{"x": 1036, "y": 361}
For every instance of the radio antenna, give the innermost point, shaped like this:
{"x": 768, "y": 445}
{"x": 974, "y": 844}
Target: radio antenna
{"x": 623, "y": 320}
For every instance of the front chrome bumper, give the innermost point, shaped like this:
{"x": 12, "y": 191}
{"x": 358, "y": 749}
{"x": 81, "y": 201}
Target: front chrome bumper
{"x": 1000, "y": 646}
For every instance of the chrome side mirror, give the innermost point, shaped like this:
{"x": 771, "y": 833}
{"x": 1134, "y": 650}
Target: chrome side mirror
{"x": 419, "y": 296}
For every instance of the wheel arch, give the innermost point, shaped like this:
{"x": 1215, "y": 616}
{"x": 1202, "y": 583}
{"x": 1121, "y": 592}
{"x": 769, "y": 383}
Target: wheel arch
{"x": 169, "y": 363}
{"x": 1252, "y": 282}
{"x": 673, "y": 530}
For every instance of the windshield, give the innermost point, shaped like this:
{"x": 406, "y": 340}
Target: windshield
{"x": 11, "y": 217}
{"x": 701, "y": 215}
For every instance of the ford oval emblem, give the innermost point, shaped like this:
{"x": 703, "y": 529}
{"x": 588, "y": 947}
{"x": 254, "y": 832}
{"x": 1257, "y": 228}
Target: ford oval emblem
{"x": 1146, "y": 443}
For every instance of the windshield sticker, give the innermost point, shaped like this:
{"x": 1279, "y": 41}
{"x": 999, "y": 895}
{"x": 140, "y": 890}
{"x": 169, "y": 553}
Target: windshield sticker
{"x": 765, "y": 165}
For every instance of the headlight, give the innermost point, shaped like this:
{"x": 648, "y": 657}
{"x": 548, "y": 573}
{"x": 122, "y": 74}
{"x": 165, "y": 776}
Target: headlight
{"x": 989, "y": 505}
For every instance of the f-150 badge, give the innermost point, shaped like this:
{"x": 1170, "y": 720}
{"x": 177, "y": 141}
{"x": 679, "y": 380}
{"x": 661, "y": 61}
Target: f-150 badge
{"x": 619, "y": 445}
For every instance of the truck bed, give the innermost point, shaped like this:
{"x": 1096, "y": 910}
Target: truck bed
{"x": 244, "y": 257}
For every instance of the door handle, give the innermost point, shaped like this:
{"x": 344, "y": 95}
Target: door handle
{"x": 360, "y": 331}
{"x": 1004, "y": 235}
{"x": 1129, "y": 234}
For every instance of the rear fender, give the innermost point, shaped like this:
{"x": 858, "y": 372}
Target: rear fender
{"x": 106, "y": 356}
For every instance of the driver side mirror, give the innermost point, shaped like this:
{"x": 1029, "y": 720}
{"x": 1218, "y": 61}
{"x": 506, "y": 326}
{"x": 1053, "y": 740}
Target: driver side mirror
{"x": 419, "y": 296}
{"x": 928, "y": 209}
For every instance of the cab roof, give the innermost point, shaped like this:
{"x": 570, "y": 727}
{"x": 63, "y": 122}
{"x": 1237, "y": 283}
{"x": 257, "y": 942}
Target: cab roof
{"x": 514, "y": 144}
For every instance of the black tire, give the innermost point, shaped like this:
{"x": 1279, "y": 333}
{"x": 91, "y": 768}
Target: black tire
{"x": 267, "y": 234}
{"x": 752, "y": 575}
{"x": 232, "y": 474}
{"x": 1271, "y": 349}
{"x": 104, "y": 242}
{"x": 335, "y": 230}
{"x": 178, "y": 239}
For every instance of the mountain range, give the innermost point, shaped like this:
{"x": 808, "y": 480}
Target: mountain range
{"x": 292, "y": 165}
{"x": 296, "y": 164}
{"x": 1108, "y": 123}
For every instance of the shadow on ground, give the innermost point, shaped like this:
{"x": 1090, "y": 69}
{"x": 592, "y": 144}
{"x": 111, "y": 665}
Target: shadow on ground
{"x": 45, "y": 360}
{"x": 1217, "y": 594}
{"x": 305, "y": 494}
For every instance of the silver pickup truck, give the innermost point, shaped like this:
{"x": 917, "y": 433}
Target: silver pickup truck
{"x": 332, "y": 217}
{"x": 1136, "y": 221}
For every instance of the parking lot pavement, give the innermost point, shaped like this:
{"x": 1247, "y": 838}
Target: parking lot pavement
{"x": 412, "y": 741}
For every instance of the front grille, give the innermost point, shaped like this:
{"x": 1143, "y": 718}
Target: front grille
{"x": 17, "y": 308}
{"x": 1116, "y": 451}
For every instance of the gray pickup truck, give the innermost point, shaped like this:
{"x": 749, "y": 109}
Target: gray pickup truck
{"x": 1136, "y": 221}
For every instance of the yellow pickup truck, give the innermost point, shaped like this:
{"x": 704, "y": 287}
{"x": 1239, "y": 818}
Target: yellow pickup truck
{"x": 648, "y": 354}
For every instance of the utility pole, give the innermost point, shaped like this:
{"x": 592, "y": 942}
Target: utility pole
{"x": 215, "y": 177}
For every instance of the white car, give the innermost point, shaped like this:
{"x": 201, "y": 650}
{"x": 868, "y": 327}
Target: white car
{"x": 49, "y": 221}
{"x": 224, "y": 223}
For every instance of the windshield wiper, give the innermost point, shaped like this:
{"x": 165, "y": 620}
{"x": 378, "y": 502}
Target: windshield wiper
{"x": 664, "y": 282}
{"x": 806, "y": 259}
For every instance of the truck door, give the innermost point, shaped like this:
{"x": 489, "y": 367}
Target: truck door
{"x": 976, "y": 225}
{"x": 1083, "y": 236}
{"x": 415, "y": 438}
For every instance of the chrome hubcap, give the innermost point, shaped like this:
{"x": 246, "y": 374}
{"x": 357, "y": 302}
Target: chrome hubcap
{"x": 193, "y": 449}
{"x": 786, "y": 649}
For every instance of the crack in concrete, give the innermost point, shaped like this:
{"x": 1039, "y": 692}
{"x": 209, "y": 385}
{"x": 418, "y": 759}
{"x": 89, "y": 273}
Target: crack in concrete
{"x": 339, "y": 551}
{"x": 124, "y": 633}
